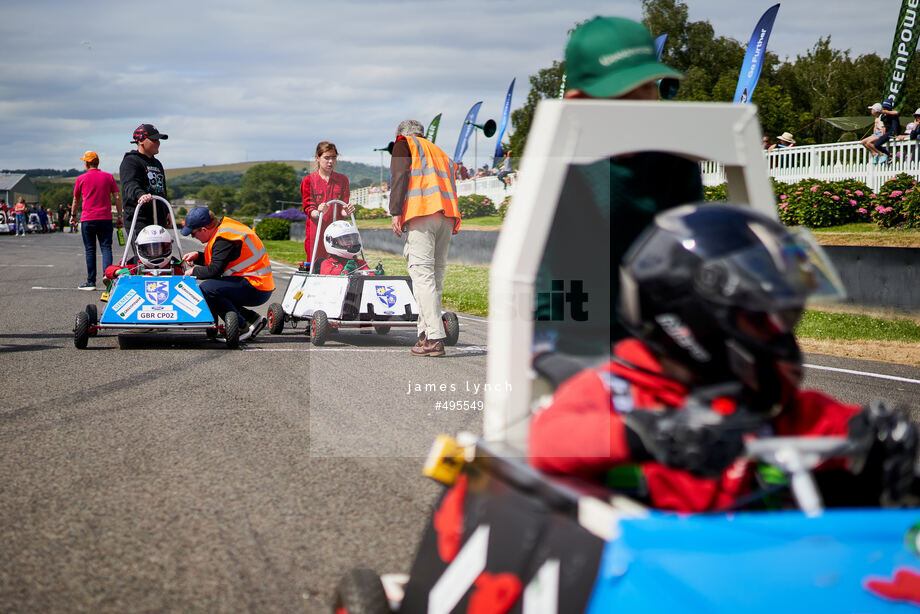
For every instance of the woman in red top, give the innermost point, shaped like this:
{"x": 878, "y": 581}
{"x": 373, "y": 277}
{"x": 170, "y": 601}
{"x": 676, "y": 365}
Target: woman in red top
{"x": 317, "y": 189}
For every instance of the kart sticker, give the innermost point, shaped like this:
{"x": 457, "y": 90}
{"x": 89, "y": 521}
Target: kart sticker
{"x": 387, "y": 296}
{"x": 129, "y": 296}
{"x": 190, "y": 295}
{"x": 158, "y": 313}
{"x": 186, "y": 306}
{"x": 156, "y": 291}
{"x": 130, "y": 306}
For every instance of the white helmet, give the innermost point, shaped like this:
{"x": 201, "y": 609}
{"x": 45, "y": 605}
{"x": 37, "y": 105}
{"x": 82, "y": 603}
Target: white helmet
{"x": 342, "y": 239}
{"x": 154, "y": 247}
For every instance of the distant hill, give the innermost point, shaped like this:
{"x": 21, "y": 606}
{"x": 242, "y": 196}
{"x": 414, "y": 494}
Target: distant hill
{"x": 224, "y": 174}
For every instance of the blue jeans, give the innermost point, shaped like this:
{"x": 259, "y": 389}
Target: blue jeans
{"x": 20, "y": 223}
{"x": 233, "y": 293}
{"x": 94, "y": 230}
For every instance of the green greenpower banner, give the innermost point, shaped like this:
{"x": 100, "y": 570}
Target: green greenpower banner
{"x": 902, "y": 51}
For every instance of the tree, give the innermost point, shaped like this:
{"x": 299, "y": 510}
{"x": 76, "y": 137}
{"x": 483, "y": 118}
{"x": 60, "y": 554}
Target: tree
{"x": 263, "y": 184}
{"x": 221, "y": 199}
{"x": 55, "y": 194}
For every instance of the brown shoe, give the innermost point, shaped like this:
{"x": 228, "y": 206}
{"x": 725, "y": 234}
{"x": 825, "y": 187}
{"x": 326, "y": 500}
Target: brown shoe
{"x": 421, "y": 340}
{"x": 429, "y": 348}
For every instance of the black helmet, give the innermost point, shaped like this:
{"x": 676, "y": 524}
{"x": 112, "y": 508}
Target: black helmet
{"x": 719, "y": 289}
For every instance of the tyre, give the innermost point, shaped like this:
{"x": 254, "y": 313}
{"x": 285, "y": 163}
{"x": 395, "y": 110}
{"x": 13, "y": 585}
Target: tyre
{"x": 451, "y": 327}
{"x": 81, "y": 330}
{"x": 232, "y": 330}
{"x": 319, "y": 327}
{"x": 382, "y": 330}
{"x": 360, "y": 592}
{"x": 93, "y": 314}
{"x": 275, "y": 319}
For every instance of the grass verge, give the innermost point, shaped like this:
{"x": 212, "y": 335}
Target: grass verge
{"x": 822, "y": 325}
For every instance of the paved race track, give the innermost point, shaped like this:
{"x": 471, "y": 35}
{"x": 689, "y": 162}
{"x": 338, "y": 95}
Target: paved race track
{"x": 175, "y": 475}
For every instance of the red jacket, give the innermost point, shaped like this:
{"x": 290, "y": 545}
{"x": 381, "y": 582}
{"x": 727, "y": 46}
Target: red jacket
{"x": 582, "y": 432}
{"x": 333, "y": 265}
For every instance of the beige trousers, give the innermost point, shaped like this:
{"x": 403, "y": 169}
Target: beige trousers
{"x": 425, "y": 251}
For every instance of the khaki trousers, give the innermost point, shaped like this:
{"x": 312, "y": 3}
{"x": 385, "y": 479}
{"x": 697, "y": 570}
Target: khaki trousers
{"x": 425, "y": 251}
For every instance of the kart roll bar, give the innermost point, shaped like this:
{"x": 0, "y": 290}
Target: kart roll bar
{"x": 131, "y": 237}
{"x": 319, "y": 231}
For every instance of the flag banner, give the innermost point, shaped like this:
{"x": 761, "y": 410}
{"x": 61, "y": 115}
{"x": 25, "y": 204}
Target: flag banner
{"x": 506, "y": 113}
{"x": 753, "y": 59}
{"x": 465, "y": 132}
{"x": 432, "y": 133}
{"x": 902, "y": 51}
{"x": 659, "y": 44}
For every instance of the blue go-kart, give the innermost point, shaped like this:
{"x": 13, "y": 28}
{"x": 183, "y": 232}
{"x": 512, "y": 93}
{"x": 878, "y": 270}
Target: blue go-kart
{"x": 151, "y": 300}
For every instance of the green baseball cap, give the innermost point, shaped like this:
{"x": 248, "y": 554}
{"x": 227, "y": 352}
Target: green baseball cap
{"x": 609, "y": 56}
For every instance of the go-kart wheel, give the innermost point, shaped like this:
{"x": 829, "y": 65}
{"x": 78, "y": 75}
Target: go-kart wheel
{"x": 93, "y": 315}
{"x": 319, "y": 327}
{"x": 232, "y": 329}
{"x": 275, "y": 319}
{"x": 451, "y": 327}
{"x": 361, "y": 592}
{"x": 81, "y": 330}
{"x": 382, "y": 330}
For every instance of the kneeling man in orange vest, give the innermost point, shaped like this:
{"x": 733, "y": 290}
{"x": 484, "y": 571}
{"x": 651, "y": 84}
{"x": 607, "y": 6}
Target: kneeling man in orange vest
{"x": 233, "y": 269}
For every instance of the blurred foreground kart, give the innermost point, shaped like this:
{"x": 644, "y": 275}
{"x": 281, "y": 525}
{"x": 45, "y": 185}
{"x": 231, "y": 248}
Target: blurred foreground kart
{"x": 504, "y": 537}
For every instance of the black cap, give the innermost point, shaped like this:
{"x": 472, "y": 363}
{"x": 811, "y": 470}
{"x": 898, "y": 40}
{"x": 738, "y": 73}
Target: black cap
{"x": 147, "y": 131}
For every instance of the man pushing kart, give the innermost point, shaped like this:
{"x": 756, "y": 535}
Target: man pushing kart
{"x": 711, "y": 295}
{"x": 234, "y": 272}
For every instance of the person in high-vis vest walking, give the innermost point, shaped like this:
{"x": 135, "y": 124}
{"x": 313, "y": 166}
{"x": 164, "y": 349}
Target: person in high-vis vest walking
{"x": 423, "y": 205}
{"x": 236, "y": 273}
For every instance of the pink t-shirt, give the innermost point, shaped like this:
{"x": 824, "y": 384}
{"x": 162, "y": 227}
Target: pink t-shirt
{"x": 95, "y": 187}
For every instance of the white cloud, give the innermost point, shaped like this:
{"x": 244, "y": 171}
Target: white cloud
{"x": 241, "y": 80}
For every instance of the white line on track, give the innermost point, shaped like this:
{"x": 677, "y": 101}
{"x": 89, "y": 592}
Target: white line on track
{"x": 472, "y": 349}
{"x": 893, "y": 378}
{"x": 473, "y": 318}
{"x": 23, "y": 265}
{"x": 44, "y": 288}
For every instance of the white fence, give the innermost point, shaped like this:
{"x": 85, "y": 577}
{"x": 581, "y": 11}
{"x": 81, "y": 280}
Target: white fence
{"x": 491, "y": 187}
{"x": 831, "y": 162}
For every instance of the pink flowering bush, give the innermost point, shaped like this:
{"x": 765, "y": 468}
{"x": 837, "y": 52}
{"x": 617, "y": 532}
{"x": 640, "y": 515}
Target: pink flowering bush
{"x": 896, "y": 203}
{"x": 820, "y": 204}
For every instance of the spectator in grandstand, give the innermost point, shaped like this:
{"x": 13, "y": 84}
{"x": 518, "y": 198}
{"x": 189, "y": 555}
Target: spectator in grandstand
{"x": 317, "y": 189}
{"x": 783, "y": 141}
{"x": 767, "y": 143}
{"x": 505, "y": 168}
{"x": 892, "y": 127}
{"x": 878, "y": 130}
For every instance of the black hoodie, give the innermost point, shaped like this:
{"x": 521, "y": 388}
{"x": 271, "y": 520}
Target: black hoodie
{"x": 141, "y": 175}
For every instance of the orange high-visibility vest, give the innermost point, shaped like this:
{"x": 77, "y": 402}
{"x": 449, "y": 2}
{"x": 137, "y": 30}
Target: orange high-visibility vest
{"x": 253, "y": 262}
{"x": 432, "y": 182}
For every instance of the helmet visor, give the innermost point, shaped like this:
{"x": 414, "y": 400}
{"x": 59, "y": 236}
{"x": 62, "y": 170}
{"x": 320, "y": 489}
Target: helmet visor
{"x": 350, "y": 243}
{"x": 778, "y": 273}
{"x": 154, "y": 251}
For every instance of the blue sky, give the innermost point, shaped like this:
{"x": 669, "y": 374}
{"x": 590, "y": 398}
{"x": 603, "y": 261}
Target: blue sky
{"x": 236, "y": 81}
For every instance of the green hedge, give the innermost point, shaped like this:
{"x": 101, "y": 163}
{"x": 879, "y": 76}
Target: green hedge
{"x": 273, "y": 229}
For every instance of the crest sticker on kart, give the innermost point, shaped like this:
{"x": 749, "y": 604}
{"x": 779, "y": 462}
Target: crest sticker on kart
{"x": 156, "y": 291}
{"x": 387, "y": 296}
